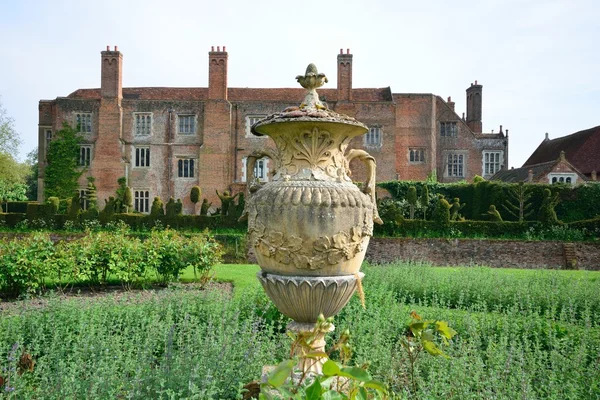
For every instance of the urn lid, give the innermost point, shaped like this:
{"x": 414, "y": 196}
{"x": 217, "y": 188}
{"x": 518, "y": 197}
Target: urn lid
{"x": 311, "y": 109}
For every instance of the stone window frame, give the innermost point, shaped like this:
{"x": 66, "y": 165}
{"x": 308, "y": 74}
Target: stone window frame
{"x": 86, "y": 127}
{"x": 142, "y": 128}
{"x": 141, "y": 156}
{"x": 84, "y": 202}
{"x": 85, "y": 155}
{"x": 459, "y": 160}
{"x": 488, "y": 164}
{"x": 191, "y": 168}
{"x": 374, "y": 137}
{"x": 567, "y": 178}
{"x": 416, "y": 155}
{"x": 250, "y": 120}
{"x": 141, "y": 200}
{"x": 194, "y": 129}
{"x": 261, "y": 164}
{"x": 443, "y": 128}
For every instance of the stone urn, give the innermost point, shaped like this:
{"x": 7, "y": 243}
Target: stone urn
{"x": 310, "y": 225}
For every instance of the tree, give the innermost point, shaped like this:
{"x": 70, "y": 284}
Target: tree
{"x": 9, "y": 138}
{"x": 32, "y": 178}
{"x": 518, "y": 204}
{"x": 63, "y": 171}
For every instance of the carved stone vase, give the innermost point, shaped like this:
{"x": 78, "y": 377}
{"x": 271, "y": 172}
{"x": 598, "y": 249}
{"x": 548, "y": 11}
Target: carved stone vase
{"x": 310, "y": 225}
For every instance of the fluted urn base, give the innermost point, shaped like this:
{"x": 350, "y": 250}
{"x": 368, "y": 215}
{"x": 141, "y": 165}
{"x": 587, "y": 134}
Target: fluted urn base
{"x": 303, "y": 298}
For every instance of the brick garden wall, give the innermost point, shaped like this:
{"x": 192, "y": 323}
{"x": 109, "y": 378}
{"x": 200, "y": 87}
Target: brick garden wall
{"x": 493, "y": 253}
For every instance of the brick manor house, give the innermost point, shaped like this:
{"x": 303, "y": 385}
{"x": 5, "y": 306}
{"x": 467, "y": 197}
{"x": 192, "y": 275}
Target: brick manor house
{"x": 166, "y": 140}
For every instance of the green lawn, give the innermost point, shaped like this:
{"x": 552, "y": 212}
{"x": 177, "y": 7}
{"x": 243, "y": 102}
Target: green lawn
{"x": 241, "y": 275}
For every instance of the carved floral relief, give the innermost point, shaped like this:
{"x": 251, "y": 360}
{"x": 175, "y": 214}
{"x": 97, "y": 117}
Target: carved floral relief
{"x": 307, "y": 254}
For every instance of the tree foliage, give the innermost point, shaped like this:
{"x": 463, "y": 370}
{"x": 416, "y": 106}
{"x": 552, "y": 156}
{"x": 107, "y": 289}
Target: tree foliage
{"x": 9, "y": 138}
{"x": 63, "y": 171}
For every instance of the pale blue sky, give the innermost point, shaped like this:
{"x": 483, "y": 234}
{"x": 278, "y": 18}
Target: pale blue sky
{"x": 538, "y": 61}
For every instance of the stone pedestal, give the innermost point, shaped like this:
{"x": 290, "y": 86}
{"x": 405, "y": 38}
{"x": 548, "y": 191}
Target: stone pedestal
{"x": 304, "y": 298}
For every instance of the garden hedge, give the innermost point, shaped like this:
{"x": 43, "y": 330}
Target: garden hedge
{"x": 578, "y": 202}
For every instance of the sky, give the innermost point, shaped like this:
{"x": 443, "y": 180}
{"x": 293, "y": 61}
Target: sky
{"x": 538, "y": 61}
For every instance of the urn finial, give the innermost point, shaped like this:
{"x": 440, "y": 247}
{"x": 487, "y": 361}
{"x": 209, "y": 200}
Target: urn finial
{"x": 311, "y": 80}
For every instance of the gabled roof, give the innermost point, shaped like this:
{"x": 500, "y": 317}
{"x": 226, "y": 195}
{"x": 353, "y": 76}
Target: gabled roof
{"x": 293, "y": 95}
{"x": 521, "y": 174}
{"x": 582, "y": 149}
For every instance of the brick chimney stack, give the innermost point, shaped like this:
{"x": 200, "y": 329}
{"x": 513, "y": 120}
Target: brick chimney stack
{"x": 217, "y": 74}
{"x": 474, "y": 93}
{"x": 344, "y": 77}
{"x": 111, "y": 85}
{"x": 450, "y": 103}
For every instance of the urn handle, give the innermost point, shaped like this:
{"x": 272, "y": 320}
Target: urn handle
{"x": 369, "y": 185}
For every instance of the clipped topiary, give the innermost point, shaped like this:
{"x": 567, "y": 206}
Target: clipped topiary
{"x": 157, "y": 209}
{"x": 547, "y": 215}
{"x": 74, "y": 207}
{"x": 424, "y": 199}
{"x": 55, "y": 202}
{"x": 493, "y": 214}
{"x": 178, "y": 207}
{"x": 170, "y": 210}
{"x": 91, "y": 195}
{"x": 455, "y": 208}
{"x": 411, "y": 197}
{"x": 195, "y": 194}
{"x": 441, "y": 212}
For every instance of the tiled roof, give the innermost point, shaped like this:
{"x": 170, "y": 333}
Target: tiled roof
{"x": 294, "y": 95}
{"x": 582, "y": 149}
{"x": 521, "y": 174}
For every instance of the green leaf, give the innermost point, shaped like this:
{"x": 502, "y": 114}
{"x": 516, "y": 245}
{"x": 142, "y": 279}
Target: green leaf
{"x": 356, "y": 373}
{"x": 331, "y": 368}
{"x": 427, "y": 335}
{"x": 361, "y": 394}
{"x": 333, "y": 395}
{"x": 443, "y": 328}
{"x": 376, "y": 385}
{"x": 281, "y": 373}
{"x": 432, "y": 348}
{"x": 313, "y": 392}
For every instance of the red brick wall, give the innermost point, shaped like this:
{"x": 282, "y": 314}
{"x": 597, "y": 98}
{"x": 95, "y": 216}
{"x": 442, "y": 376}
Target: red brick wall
{"x": 492, "y": 253}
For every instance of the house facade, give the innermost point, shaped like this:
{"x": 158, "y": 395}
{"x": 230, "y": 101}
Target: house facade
{"x": 167, "y": 140}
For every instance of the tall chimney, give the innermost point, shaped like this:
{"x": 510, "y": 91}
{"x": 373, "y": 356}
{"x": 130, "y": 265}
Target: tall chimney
{"x": 474, "y": 106}
{"x": 450, "y": 103}
{"x": 111, "y": 83}
{"x": 344, "y": 81}
{"x": 217, "y": 74}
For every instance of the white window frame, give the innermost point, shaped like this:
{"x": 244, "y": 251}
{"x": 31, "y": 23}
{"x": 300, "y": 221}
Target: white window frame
{"x": 85, "y": 155}
{"x": 194, "y": 120}
{"x": 251, "y": 119}
{"x": 186, "y": 164}
{"x": 487, "y": 163}
{"x": 262, "y": 164}
{"x": 85, "y": 127}
{"x": 448, "y": 129}
{"x": 455, "y": 164}
{"x": 141, "y": 200}
{"x": 416, "y": 155}
{"x": 374, "y": 137}
{"x": 564, "y": 176}
{"x": 141, "y": 156}
{"x": 142, "y": 125}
